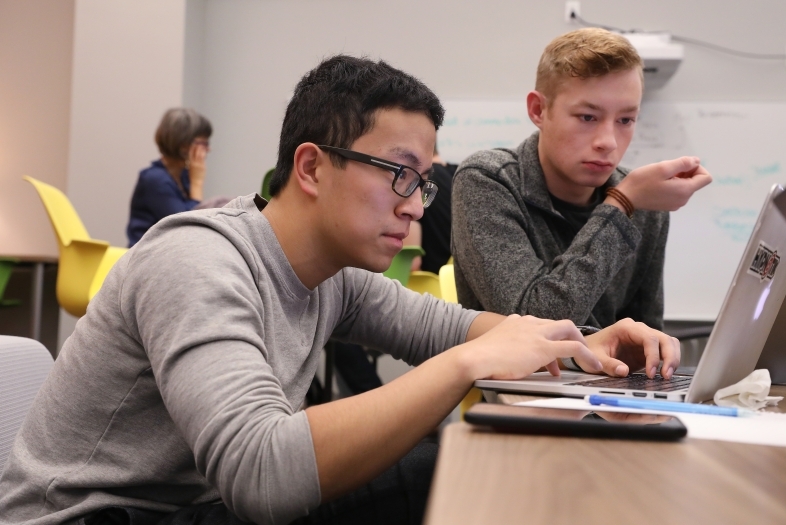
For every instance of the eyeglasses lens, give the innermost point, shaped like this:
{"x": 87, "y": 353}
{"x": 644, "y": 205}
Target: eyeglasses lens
{"x": 429, "y": 192}
{"x": 407, "y": 182}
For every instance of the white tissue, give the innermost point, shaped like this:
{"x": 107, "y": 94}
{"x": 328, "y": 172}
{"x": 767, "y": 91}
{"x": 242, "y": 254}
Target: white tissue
{"x": 751, "y": 392}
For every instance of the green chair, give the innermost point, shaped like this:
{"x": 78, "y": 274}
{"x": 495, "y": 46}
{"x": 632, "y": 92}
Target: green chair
{"x": 265, "y": 192}
{"x": 6, "y": 267}
{"x": 402, "y": 264}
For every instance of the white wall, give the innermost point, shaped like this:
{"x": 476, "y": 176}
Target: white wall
{"x": 253, "y": 52}
{"x": 127, "y": 70}
{"x": 245, "y": 56}
{"x": 238, "y": 60}
{"x": 194, "y": 55}
{"x": 36, "y": 39}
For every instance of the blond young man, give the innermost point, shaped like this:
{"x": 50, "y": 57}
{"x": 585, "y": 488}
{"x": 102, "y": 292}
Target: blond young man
{"x": 555, "y": 228}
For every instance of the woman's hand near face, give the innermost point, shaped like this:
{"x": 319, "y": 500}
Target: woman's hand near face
{"x": 197, "y": 154}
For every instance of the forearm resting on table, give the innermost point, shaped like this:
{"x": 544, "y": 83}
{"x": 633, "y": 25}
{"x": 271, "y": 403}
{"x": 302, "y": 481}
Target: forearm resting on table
{"x": 485, "y": 322}
{"x": 358, "y": 438}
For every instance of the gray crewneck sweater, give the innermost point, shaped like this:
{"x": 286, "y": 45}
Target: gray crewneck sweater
{"x": 181, "y": 385}
{"x": 515, "y": 253}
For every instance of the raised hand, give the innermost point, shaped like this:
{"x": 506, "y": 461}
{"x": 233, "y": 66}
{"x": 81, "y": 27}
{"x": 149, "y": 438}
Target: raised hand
{"x": 664, "y": 186}
{"x": 197, "y": 169}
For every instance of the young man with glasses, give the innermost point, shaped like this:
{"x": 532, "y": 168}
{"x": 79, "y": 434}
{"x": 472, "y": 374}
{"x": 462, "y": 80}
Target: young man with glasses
{"x": 555, "y": 228}
{"x": 177, "y": 397}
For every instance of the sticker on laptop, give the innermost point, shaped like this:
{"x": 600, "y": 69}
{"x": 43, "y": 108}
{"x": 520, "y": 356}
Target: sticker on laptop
{"x": 765, "y": 262}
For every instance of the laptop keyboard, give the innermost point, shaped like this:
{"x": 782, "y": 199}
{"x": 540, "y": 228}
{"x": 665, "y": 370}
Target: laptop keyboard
{"x": 639, "y": 382}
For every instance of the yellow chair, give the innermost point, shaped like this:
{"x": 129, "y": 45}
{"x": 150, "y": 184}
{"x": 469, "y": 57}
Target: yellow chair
{"x": 84, "y": 262}
{"x": 402, "y": 263}
{"x": 447, "y": 284}
{"x": 425, "y": 282}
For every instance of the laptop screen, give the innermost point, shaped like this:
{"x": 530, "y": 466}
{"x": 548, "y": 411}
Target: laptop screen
{"x": 751, "y": 305}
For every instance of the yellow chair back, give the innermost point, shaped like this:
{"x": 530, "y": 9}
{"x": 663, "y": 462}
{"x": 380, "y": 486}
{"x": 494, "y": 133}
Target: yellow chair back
{"x": 84, "y": 262}
{"x": 65, "y": 221}
{"x": 425, "y": 282}
{"x": 447, "y": 283}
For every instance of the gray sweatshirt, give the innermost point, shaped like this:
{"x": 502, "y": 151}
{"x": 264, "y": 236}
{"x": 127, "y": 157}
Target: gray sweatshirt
{"x": 182, "y": 383}
{"x": 514, "y": 253}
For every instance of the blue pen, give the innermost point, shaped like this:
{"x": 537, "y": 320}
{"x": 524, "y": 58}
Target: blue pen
{"x": 667, "y": 406}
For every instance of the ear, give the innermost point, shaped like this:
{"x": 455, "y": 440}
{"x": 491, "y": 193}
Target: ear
{"x": 308, "y": 161}
{"x": 536, "y": 107}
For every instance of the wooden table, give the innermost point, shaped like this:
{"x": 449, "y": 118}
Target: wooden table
{"x": 484, "y": 477}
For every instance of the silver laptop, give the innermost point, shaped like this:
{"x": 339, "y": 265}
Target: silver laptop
{"x": 743, "y": 326}
{"x": 773, "y": 357}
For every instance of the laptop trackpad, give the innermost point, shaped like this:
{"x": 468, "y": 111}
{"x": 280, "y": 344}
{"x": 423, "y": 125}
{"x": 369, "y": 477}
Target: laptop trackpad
{"x": 565, "y": 377}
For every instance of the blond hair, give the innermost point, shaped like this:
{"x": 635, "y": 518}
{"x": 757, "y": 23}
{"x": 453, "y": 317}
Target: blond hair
{"x": 584, "y": 53}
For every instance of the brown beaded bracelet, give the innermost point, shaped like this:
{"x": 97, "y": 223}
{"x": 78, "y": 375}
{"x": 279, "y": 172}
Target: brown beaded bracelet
{"x": 622, "y": 199}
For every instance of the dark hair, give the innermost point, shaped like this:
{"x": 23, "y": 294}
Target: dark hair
{"x": 178, "y": 129}
{"x": 335, "y": 103}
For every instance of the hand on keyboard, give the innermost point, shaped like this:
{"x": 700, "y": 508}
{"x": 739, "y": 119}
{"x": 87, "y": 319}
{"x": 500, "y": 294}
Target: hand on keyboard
{"x": 628, "y": 345}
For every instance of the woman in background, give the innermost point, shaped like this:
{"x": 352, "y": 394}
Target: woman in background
{"x": 175, "y": 182}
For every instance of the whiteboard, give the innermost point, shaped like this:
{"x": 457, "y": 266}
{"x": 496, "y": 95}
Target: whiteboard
{"x": 474, "y": 125}
{"x": 743, "y": 145}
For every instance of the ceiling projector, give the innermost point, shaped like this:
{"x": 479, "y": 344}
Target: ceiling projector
{"x": 661, "y": 57}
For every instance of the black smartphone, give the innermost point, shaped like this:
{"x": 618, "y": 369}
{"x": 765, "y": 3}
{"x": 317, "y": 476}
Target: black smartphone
{"x": 576, "y": 423}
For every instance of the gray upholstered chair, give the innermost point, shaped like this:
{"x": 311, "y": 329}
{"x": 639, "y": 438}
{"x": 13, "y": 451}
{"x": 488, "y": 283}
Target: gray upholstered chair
{"x": 24, "y": 364}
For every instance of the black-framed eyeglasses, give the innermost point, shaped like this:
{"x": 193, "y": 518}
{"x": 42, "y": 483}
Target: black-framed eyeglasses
{"x": 405, "y": 179}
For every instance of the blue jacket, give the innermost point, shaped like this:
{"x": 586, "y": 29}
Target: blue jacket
{"x": 156, "y": 196}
